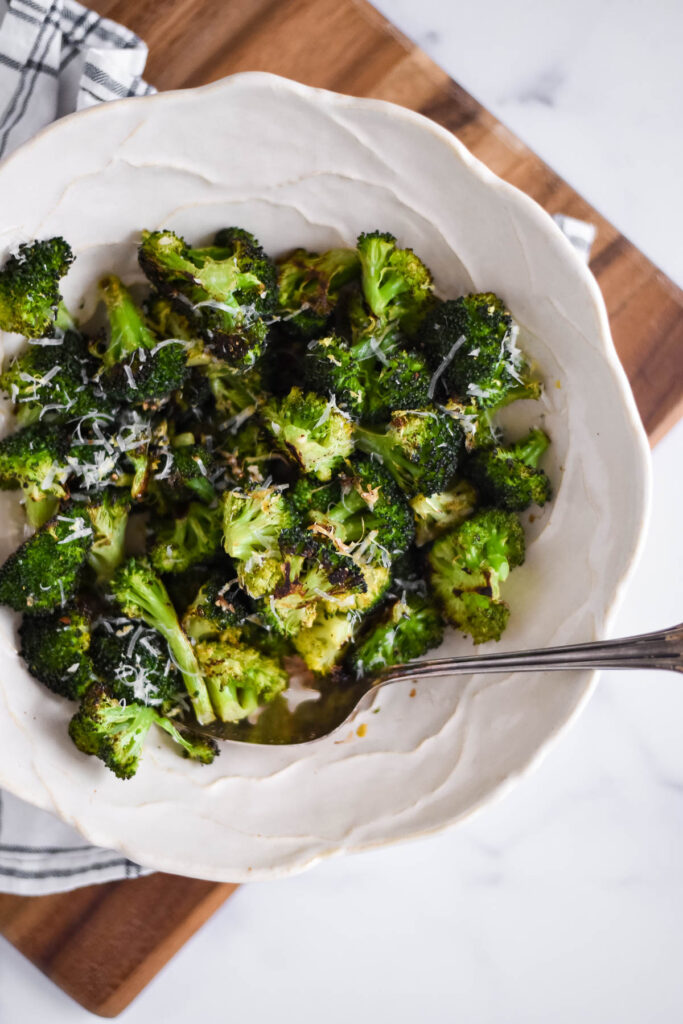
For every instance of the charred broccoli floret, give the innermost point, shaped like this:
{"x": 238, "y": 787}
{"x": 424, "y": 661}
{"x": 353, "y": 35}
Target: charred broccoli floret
{"x": 420, "y": 448}
{"x": 437, "y": 513}
{"x": 467, "y": 567}
{"x": 408, "y": 629}
{"x": 508, "y": 476}
{"x": 115, "y": 732}
{"x": 218, "y": 611}
{"x": 396, "y": 284}
{"x": 44, "y": 572}
{"x": 142, "y": 595}
{"x": 56, "y": 649}
{"x": 311, "y": 429}
{"x": 182, "y": 471}
{"x": 135, "y": 662}
{"x": 309, "y": 286}
{"x": 29, "y": 287}
{"x": 194, "y": 536}
{"x": 253, "y": 521}
{"x": 240, "y": 679}
{"x": 34, "y": 460}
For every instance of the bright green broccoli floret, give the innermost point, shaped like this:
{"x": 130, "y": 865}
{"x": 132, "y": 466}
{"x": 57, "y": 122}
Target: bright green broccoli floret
{"x": 420, "y": 448}
{"x": 56, "y": 649}
{"x": 218, "y": 611}
{"x": 184, "y": 540}
{"x": 472, "y": 341}
{"x": 309, "y": 287}
{"x": 240, "y": 679}
{"x": 311, "y": 429}
{"x": 467, "y": 567}
{"x": 115, "y": 732}
{"x": 407, "y": 630}
{"x": 109, "y": 519}
{"x": 142, "y": 595}
{"x": 34, "y": 460}
{"x": 44, "y": 572}
{"x": 226, "y": 289}
{"x": 253, "y": 521}
{"x": 509, "y": 477}
{"x": 135, "y": 662}
{"x": 437, "y": 513}
{"x": 29, "y": 287}
{"x": 396, "y": 284}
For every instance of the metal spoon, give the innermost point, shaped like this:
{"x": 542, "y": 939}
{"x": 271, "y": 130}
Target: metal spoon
{"x": 337, "y": 706}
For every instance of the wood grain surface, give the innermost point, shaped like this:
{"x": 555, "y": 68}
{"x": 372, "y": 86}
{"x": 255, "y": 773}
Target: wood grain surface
{"x": 103, "y": 944}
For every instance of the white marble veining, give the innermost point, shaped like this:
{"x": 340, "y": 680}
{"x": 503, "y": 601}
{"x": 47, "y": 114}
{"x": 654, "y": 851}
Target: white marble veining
{"x": 564, "y": 901}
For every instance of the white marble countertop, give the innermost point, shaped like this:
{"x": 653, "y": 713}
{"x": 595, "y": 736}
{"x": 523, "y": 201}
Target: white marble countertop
{"x": 564, "y": 902}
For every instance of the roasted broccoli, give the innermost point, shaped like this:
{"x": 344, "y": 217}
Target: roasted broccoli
{"x": 182, "y": 471}
{"x": 194, "y": 536}
{"x": 34, "y": 460}
{"x": 240, "y": 679}
{"x": 467, "y": 567}
{"x": 218, "y": 611}
{"x": 44, "y": 572}
{"x": 135, "y": 662}
{"x": 29, "y": 287}
{"x": 408, "y": 629}
{"x": 311, "y": 429}
{"x": 508, "y": 476}
{"x": 109, "y": 519}
{"x": 309, "y": 286}
{"x": 115, "y": 732}
{"x": 56, "y": 648}
{"x": 142, "y": 595}
{"x": 437, "y": 513}
{"x": 396, "y": 284}
{"x": 253, "y": 521}
{"x": 323, "y": 644}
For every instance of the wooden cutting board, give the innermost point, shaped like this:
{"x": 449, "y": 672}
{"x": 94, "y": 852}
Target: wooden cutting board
{"x": 103, "y": 944}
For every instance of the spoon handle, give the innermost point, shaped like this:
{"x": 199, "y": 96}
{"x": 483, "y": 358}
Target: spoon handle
{"x": 663, "y": 649}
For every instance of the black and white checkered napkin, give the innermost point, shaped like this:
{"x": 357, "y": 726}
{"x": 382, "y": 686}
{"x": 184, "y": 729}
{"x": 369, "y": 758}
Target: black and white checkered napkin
{"x": 56, "y": 57}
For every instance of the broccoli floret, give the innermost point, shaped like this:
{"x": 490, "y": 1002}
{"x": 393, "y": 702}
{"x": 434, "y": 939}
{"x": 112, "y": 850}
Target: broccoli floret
{"x": 253, "y": 521}
{"x": 247, "y": 455}
{"x": 402, "y": 383}
{"x": 142, "y": 595}
{"x": 474, "y": 421}
{"x": 139, "y": 368}
{"x": 56, "y": 649}
{"x": 166, "y": 321}
{"x": 472, "y": 340}
{"x": 437, "y": 513}
{"x": 34, "y": 459}
{"x": 309, "y": 287}
{"x": 396, "y": 284}
{"x": 135, "y": 662}
{"x": 420, "y": 448}
{"x": 236, "y": 396}
{"x": 311, "y": 429}
{"x": 182, "y": 472}
{"x": 509, "y": 477}
{"x": 225, "y": 289}
{"x": 54, "y": 380}
{"x": 260, "y": 575}
{"x": 407, "y": 630}
{"x": 29, "y": 287}
{"x": 185, "y": 540}
{"x": 240, "y": 679}
{"x": 44, "y": 572}
{"x": 367, "y": 516}
{"x": 467, "y": 567}
{"x": 218, "y": 611}
{"x": 323, "y": 644}
{"x": 115, "y": 732}
{"x": 109, "y": 519}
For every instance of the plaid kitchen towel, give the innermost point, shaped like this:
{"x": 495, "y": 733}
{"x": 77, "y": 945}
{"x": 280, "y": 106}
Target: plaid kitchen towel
{"x": 56, "y": 57}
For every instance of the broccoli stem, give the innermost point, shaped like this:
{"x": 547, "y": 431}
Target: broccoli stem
{"x": 127, "y": 328}
{"x": 39, "y": 510}
{"x": 530, "y": 450}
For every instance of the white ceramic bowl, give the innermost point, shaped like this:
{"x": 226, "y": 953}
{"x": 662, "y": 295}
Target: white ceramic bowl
{"x": 299, "y": 166}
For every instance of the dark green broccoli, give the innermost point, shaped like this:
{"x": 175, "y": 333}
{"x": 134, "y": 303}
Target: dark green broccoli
{"x": 253, "y": 521}
{"x": 247, "y": 455}
{"x": 240, "y": 679}
{"x": 167, "y": 321}
{"x": 474, "y": 421}
{"x": 183, "y": 472}
{"x": 115, "y": 732}
{"x": 135, "y": 663}
{"x": 218, "y": 611}
{"x": 311, "y": 429}
{"x": 226, "y": 289}
{"x": 467, "y": 567}
{"x": 408, "y": 629}
{"x": 138, "y": 368}
{"x": 29, "y": 287}
{"x": 56, "y": 649}
{"x": 34, "y": 460}
{"x": 472, "y": 345}
{"x": 109, "y": 519}
{"x": 236, "y": 396}
{"x": 396, "y": 284}
{"x": 142, "y": 595}
{"x": 508, "y": 476}
{"x": 420, "y": 448}
{"x": 437, "y": 513}
{"x": 309, "y": 286}
{"x": 44, "y": 572}
{"x": 194, "y": 536}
